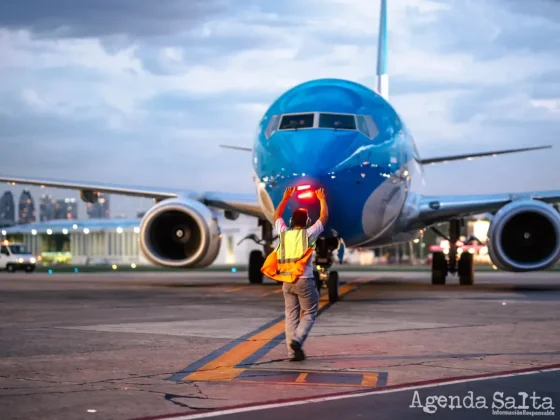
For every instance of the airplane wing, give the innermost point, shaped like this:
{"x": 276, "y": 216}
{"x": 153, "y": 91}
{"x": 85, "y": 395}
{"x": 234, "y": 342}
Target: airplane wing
{"x": 474, "y": 155}
{"x": 241, "y": 203}
{"x": 241, "y": 148}
{"x": 136, "y": 191}
{"x": 433, "y": 160}
{"x": 437, "y": 209}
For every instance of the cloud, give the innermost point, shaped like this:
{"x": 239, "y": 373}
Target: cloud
{"x": 130, "y": 18}
{"x": 129, "y": 92}
{"x": 495, "y": 29}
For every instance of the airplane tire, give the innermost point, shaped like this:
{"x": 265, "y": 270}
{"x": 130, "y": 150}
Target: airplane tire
{"x": 256, "y": 261}
{"x": 332, "y": 285}
{"x": 439, "y": 268}
{"x": 466, "y": 269}
{"x": 318, "y": 281}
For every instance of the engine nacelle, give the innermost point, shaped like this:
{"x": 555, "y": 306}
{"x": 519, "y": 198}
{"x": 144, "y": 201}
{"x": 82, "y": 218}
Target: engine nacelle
{"x": 180, "y": 233}
{"x": 524, "y": 236}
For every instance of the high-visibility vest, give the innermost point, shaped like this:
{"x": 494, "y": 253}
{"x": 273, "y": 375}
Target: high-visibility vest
{"x": 287, "y": 262}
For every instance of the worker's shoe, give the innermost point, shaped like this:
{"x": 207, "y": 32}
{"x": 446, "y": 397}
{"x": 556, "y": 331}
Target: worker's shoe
{"x": 299, "y": 355}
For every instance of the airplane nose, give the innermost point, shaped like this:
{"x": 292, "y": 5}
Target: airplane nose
{"x": 306, "y": 158}
{"x": 311, "y": 153}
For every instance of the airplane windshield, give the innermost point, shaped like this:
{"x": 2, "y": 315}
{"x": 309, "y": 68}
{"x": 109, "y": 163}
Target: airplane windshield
{"x": 362, "y": 123}
{"x": 367, "y": 126}
{"x": 337, "y": 121}
{"x": 19, "y": 249}
{"x": 296, "y": 121}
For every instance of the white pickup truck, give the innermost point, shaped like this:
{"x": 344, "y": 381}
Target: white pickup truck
{"x": 15, "y": 256}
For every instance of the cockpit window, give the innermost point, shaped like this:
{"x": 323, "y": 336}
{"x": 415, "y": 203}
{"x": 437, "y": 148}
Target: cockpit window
{"x": 337, "y": 121}
{"x": 362, "y": 123}
{"x": 362, "y": 126}
{"x": 272, "y": 126}
{"x": 367, "y": 126}
{"x": 296, "y": 121}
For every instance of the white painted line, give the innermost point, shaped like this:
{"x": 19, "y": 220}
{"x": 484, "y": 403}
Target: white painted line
{"x": 225, "y": 412}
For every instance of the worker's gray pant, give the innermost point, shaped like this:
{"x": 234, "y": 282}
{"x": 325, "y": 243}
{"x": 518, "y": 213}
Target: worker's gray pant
{"x": 302, "y": 294}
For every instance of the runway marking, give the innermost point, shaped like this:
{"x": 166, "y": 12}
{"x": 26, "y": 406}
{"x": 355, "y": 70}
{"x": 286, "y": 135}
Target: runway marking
{"x": 301, "y": 378}
{"x": 312, "y": 377}
{"x": 371, "y": 379}
{"x": 354, "y": 394}
{"x": 232, "y": 359}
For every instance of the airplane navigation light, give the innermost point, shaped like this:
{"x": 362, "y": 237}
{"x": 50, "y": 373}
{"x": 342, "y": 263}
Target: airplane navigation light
{"x": 307, "y": 194}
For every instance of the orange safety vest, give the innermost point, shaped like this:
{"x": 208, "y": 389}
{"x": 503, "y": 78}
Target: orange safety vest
{"x": 287, "y": 262}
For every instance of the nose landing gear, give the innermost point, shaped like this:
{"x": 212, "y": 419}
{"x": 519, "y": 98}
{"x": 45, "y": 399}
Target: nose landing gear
{"x": 323, "y": 261}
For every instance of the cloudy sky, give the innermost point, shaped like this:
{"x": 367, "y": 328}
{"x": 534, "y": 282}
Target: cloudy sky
{"x": 143, "y": 92}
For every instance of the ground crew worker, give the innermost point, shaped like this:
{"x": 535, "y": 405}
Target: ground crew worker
{"x": 292, "y": 263}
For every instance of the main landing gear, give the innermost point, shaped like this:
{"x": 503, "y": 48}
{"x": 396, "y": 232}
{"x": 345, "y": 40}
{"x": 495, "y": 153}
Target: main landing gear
{"x": 323, "y": 261}
{"x": 257, "y": 258}
{"x": 443, "y": 265}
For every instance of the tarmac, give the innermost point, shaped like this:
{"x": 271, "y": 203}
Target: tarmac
{"x": 201, "y": 345}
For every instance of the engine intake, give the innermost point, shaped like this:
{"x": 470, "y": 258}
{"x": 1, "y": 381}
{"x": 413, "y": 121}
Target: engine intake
{"x": 525, "y": 236}
{"x": 180, "y": 233}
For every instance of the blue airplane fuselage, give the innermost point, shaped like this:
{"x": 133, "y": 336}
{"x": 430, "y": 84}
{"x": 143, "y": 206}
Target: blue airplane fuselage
{"x": 367, "y": 178}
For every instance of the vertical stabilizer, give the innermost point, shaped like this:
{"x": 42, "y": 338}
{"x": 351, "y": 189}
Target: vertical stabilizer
{"x": 382, "y": 76}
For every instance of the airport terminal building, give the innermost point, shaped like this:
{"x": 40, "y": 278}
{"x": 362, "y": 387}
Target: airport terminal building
{"x": 115, "y": 241}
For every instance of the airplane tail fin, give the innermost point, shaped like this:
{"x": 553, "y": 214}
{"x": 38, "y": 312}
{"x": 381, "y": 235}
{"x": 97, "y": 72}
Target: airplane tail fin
{"x": 382, "y": 76}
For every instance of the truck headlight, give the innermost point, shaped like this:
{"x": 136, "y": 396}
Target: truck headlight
{"x": 32, "y": 260}
{"x": 20, "y": 260}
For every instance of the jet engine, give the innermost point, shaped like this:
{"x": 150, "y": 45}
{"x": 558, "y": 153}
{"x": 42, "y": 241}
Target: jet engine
{"x": 524, "y": 236}
{"x": 180, "y": 233}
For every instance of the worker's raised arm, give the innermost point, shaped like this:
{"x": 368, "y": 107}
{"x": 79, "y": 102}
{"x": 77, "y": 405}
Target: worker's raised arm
{"x": 280, "y": 209}
{"x": 324, "y": 215}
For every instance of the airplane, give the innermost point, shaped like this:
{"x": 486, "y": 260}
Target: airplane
{"x": 344, "y": 137}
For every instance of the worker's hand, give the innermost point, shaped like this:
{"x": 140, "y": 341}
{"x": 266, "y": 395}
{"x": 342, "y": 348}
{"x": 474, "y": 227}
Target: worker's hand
{"x": 320, "y": 193}
{"x": 289, "y": 192}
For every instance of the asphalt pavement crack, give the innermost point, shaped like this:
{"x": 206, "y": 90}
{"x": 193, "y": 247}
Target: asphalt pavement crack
{"x": 197, "y": 387}
{"x": 263, "y": 363}
{"x": 30, "y": 394}
{"x": 171, "y": 399}
{"x": 114, "y": 380}
{"x": 454, "y": 368}
{"x": 38, "y": 380}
